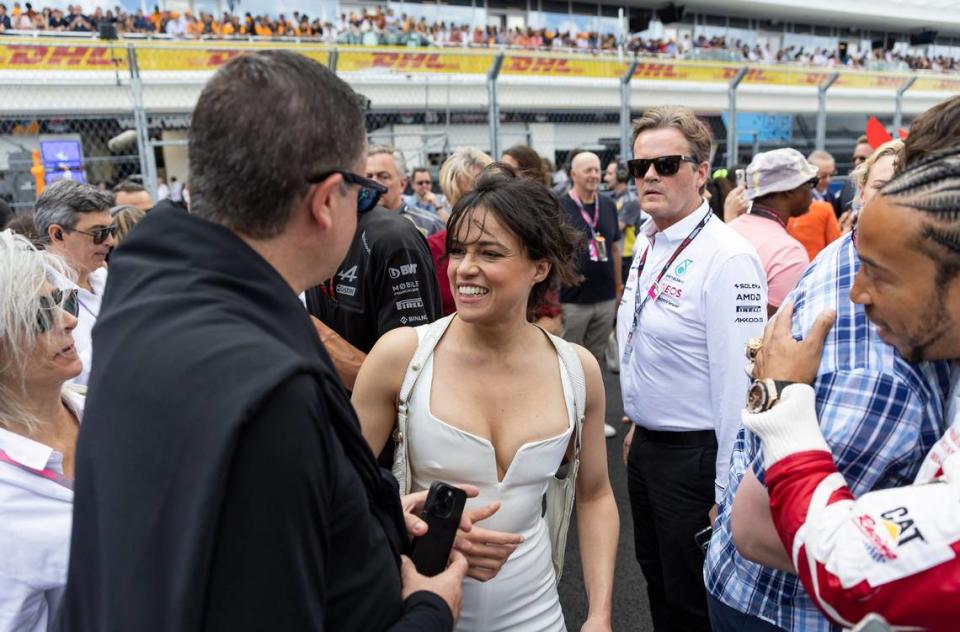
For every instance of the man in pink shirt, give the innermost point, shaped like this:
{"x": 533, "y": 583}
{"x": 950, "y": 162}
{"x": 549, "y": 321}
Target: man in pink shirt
{"x": 780, "y": 184}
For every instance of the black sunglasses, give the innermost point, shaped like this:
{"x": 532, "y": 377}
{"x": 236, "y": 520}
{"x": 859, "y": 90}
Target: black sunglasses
{"x": 665, "y": 165}
{"x": 58, "y": 299}
{"x": 99, "y": 234}
{"x": 813, "y": 182}
{"x": 370, "y": 190}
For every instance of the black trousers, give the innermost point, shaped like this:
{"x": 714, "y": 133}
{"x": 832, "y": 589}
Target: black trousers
{"x": 670, "y": 481}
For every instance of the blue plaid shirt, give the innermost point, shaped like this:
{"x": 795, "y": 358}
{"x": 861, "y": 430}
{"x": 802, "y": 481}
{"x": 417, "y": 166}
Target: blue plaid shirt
{"x": 879, "y": 414}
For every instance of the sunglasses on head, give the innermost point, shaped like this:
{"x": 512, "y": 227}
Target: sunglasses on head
{"x": 58, "y": 299}
{"x": 99, "y": 234}
{"x": 370, "y": 190}
{"x": 665, "y": 165}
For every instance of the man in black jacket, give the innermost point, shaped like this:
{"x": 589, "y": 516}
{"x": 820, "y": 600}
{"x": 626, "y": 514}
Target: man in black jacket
{"x": 222, "y": 480}
{"x": 387, "y": 280}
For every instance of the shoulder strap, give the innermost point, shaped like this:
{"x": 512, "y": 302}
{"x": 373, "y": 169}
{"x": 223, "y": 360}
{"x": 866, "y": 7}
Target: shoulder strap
{"x": 429, "y": 336}
{"x": 571, "y": 362}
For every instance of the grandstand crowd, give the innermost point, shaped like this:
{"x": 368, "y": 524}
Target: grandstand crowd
{"x": 383, "y": 26}
{"x": 263, "y": 401}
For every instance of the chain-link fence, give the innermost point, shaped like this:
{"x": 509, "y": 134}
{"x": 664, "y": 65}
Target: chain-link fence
{"x": 106, "y": 112}
{"x": 75, "y": 122}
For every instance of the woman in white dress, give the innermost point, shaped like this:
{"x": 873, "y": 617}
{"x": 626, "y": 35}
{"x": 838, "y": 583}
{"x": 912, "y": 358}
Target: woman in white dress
{"x": 39, "y": 422}
{"x": 493, "y": 407}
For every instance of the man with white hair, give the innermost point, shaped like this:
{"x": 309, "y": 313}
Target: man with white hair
{"x": 387, "y": 166}
{"x": 73, "y": 220}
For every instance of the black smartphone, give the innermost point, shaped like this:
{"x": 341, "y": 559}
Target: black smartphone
{"x": 442, "y": 513}
{"x": 702, "y": 538}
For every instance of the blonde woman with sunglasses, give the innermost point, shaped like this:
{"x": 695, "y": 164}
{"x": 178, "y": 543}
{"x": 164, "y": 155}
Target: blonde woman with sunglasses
{"x": 39, "y": 421}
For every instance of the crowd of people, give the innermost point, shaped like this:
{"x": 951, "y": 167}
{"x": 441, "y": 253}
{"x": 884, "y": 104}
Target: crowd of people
{"x": 273, "y": 370}
{"x": 381, "y": 27}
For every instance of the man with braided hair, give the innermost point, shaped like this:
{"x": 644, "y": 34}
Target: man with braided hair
{"x": 892, "y": 552}
{"x": 879, "y": 414}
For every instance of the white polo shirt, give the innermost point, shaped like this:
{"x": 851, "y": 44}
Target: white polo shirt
{"x": 87, "y": 318}
{"x": 36, "y": 514}
{"x": 686, "y": 369}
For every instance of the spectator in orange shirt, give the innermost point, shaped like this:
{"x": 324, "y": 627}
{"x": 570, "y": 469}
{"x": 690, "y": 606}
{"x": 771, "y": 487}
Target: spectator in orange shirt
{"x": 819, "y": 227}
{"x": 816, "y": 229}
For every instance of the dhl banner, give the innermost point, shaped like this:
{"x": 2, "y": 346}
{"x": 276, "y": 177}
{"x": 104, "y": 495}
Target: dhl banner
{"x": 16, "y": 54}
{"x": 413, "y": 61}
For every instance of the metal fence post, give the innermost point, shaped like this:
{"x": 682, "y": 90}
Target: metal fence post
{"x": 625, "y": 149}
{"x": 898, "y": 110}
{"x": 822, "y": 109}
{"x": 148, "y": 169}
{"x": 493, "y": 109}
{"x": 333, "y": 56}
{"x": 732, "y": 147}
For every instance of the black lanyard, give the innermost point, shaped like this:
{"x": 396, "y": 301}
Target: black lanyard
{"x": 653, "y": 292}
{"x": 759, "y": 211}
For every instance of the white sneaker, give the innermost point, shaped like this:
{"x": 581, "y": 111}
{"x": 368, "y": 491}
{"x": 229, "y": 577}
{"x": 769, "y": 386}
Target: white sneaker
{"x": 609, "y": 431}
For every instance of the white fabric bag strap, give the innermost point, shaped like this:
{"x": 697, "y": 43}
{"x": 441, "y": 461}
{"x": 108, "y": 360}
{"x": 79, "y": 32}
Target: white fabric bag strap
{"x": 571, "y": 362}
{"x": 561, "y": 493}
{"x": 429, "y": 336}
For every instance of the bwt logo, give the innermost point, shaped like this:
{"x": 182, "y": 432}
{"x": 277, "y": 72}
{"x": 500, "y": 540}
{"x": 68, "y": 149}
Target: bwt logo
{"x": 542, "y": 65}
{"x": 410, "y": 61}
{"x": 404, "y": 270}
{"x": 61, "y": 56}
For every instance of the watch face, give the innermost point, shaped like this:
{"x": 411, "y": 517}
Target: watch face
{"x": 756, "y": 397}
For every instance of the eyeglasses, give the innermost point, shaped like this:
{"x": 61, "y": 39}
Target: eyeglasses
{"x": 422, "y": 182}
{"x": 665, "y": 165}
{"x": 99, "y": 234}
{"x": 370, "y": 190}
{"x": 58, "y": 299}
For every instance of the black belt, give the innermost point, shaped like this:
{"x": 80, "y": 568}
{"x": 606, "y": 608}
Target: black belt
{"x": 703, "y": 438}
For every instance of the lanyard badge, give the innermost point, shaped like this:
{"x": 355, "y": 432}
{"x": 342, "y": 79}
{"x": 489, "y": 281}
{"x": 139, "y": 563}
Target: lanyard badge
{"x": 598, "y": 243}
{"x": 656, "y": 288}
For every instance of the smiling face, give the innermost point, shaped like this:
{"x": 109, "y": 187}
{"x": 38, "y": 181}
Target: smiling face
{"x": 668, "y": 198}
{"x": 585, "y": 173}
{"x": 489, "y": 270}
{"x": 77, "y": 247}
{"x": 53, "y": 359}
{"x": 899, "y": 286}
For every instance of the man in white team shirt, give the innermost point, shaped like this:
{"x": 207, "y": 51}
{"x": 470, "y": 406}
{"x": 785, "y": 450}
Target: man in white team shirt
{"x": 73, "y": 220}
{"x": 702, "y": 294}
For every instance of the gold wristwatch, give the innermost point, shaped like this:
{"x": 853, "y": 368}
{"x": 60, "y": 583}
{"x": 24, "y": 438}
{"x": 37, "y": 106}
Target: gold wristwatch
{"x": 763, "y": 394}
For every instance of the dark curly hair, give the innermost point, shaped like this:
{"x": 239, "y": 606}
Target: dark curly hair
{"x": 532, "y": 213}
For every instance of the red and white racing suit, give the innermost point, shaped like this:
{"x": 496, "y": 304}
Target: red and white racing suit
{"x": 893, "y": 552}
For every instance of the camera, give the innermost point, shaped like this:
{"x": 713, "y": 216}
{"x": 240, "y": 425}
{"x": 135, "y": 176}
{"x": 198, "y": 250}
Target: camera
{"x": 445, "y": 501}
